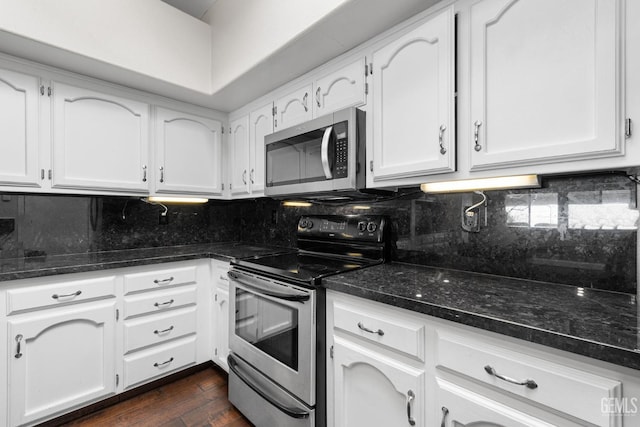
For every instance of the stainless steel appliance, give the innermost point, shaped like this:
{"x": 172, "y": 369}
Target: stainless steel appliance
{"x": 322, "y": 156}
{"x": 277, "y": 317}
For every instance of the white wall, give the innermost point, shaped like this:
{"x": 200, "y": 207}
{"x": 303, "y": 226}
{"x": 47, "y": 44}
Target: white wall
{"x": 264, "y": 27}
{"x": 145, "y": 36}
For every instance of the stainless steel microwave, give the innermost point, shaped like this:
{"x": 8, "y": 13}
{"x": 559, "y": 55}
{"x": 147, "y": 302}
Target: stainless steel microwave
{"x": 322, "y": 157}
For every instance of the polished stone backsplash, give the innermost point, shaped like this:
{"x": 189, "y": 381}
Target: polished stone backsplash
{"x": 575, "y": 230}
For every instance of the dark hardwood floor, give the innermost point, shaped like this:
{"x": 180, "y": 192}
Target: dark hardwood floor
{"x": 197, "y": 400}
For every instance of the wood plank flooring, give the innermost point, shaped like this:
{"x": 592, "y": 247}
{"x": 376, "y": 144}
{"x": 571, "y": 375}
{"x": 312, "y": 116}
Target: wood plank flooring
{"x": 197, "y": 400}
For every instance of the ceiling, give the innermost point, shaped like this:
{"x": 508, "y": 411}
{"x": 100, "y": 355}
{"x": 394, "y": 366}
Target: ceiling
{"x": 195, "y": 8}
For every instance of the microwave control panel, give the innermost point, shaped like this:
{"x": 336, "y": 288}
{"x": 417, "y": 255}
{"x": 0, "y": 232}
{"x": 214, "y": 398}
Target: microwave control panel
{"x": 341, "y": 168}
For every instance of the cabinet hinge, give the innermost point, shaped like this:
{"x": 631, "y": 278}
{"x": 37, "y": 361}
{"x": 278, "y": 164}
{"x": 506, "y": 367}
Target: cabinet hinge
{"x": 366, "y": 88}
{"x": 222, "y": 130}
{"x": 223, "y": 187}
{"x": 117, "y": 380}
{"x": 49, "y": 91}
{"x": 215, "y": 297}
{"x": 274, "y": 110}
{"x": 366, "y": 70}
{"x": 117, "y": 314}
{"x": 628, "y": 128}
{"x": 331, "y": 352}
{"x": 230, "y": 187}
{"x": 215, "y": 351}
{"x": 371, "y": 165}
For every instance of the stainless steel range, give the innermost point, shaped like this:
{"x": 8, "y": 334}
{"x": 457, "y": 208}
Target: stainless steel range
{"x": 277, "y": 317}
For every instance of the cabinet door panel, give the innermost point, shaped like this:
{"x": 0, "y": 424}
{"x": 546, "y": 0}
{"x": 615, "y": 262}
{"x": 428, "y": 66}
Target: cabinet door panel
{"x": 99, "y": 141}
{"x": 340, "y": 89}
{"x": 19, "y": 112}
{"x": 260, "y": 125}
{"x": 189, "y": 153}
{"x": 371, "y": 389}
{"x": 239, "y": 148}
{"x": 293, "y": 108}
{"x": 413, "y": 102}
{"x": 60, "y": 359}
{"x": 544, "y": 81}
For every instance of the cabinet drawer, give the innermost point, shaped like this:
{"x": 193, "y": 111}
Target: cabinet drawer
{"x": 159, "y": 301}
{"x": 158, "y": 361}
{"x": 398, "y": 334}
{"x": 158, "y": 328}
{"x": 159, "y": 278}
{"x": 62, "y": 293}
{"x": 565, "y": 389}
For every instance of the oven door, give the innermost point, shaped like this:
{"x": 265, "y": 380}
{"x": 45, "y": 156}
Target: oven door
{"x": 272, "y": 327}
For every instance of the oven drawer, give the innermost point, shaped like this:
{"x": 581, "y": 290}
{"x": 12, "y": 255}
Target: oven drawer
{"x": 159, "y": 301}
{"x": 158, "y": 361}
{"x": 159, "y": 278}
{"x": 397, "y": 334}
{"x": 563, "y": 388}
{"x": 159, "y": 328}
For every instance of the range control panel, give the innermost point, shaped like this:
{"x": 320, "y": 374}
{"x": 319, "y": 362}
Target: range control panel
{"x": 368, "y": 228}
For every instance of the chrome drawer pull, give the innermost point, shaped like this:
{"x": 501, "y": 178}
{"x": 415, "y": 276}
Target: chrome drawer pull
{"x": 18, "y": 354}
{"x": 527, "y": 383}
{"x": 364, "y": 328}
{"x": 163, "y": 281}
{"x": 169, "y": 329}
{"x": 159, "y": 304}
{"x": 410, "y": 397}
{"x": 73, "y": 295}
{"x": 445, "y": 412}
{"x": 158, "y": 365}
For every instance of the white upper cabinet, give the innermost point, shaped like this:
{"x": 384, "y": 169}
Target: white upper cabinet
{"x": 293, "y": 108}
{"x": 19, "y": 115}
{"x": 340, "y": 89}
{"x": 545, "y": 82}
{"x": 188, "y": 154}
{"x": 100, "y": 141}
{"x": 413, "y": 102}
{"x": 260, "y": 125}
{"x": 239, "y": 151}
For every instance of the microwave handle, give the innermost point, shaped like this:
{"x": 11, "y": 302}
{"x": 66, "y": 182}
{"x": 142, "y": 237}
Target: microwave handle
{"x": 324, "y": 150}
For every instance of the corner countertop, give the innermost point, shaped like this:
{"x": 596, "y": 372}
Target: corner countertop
{"x": 26, "y": 268}
{"x": 598, "y": 324}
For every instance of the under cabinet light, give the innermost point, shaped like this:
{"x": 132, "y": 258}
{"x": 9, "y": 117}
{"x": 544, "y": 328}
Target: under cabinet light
{"x": 497, "y": 183}
{"x": 171, "y": 199}
{"x": 361, "y": 207}
{"x": 296, "y": 204}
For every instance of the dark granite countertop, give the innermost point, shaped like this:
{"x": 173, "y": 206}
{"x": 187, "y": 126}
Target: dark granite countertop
{"x": 25, "y": 268}
{"x": 598, "y": 324}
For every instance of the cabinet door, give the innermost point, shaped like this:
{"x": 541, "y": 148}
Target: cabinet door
{"x": 340, "y": 89}
{"x": 239, "y": 149}
{"x": 260, "y": 125}
{"x": 544, "y": 82}
{"x": 374, "y": 390}
{"x": 100, "y": 141}
{"x": 19, "y": 112}
{"x": 60, "y": 359}
{"x": 460, "y": 407}
{"x": 293, "y": 108}
{"x": 413, "y": 102}
{"x": 189, "y": 154}
{"x": 221, "y": 347}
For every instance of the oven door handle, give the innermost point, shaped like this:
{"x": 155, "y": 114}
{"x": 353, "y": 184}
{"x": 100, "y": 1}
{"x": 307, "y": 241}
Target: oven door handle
{"x": 324, "y": 152}
{"x": 265, "y": 288}
{"x": 292, "y": 412}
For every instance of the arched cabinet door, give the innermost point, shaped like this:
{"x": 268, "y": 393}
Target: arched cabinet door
{"x": 340, "y": 89}
{"x": 294, "y": 108}
{"x": 413, "y": 102}
{"x": 239, "y": 150}
{"x": 374, "y": 390}
{"x": 260, "y": 125}
{"x": 188, "y": 154}
{"x": 19, "y": 127}
{"x": 545, "y": 82}
{"x": 100, "y": 141}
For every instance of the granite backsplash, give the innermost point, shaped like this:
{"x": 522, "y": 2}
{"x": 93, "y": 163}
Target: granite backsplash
{"x": 574, "y": 230}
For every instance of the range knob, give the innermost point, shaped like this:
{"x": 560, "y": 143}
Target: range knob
{"x": 371, "y": 227}
{"x": 309, "y": 224}
{"x": 362, "y": 226}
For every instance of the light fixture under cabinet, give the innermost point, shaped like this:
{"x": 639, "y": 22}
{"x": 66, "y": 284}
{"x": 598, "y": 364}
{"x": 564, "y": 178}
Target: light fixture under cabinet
{"x": 172, "y": 199}
{"x": 479, "y": 184}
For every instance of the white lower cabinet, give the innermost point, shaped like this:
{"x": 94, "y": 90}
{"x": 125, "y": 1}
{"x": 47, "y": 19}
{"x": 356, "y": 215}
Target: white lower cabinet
{"x": 220, "y": 315}
{"x": 61, "y": 359}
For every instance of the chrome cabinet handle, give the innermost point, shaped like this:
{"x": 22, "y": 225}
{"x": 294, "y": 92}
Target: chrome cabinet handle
{"x": 440, "y": 137}
{"x": 18, "y": 354}
{"x": 144, "y": 173}
{"x": 527, "y": 383}
{"x": 163, "y": 281}
{"x": 445, "y": 412}
{"x": 160, "y": 304}
{"x": 164, "y": 331}
{"x": 244, "y": 177}
{"x": 75, "y": 294}
{"x": 161, "y": 173}
{"x": 158, "y": 365}
{"x": 410, "y": 397}
{"x": 364, "y": 328}
{"x": 304, "y": 102}
{"x": 476, "y": 132}
{"x": 318, "y": 97}
{"x": 251, "y": 176}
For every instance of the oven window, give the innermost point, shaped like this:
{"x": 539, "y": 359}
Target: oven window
{"x": 269, "y": 326}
